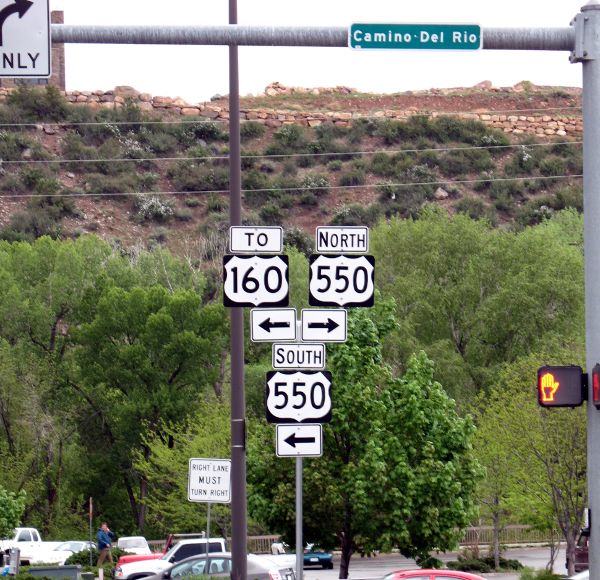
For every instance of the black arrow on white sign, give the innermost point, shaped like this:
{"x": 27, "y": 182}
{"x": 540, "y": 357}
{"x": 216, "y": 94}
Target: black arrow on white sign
{"x": 17, "y": 7}
{"x": 267, "y": 325}
{"x": 292, "y": 440}
{"x": 330, "y": 325}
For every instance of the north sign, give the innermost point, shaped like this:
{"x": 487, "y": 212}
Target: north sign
{"x": 298, "y": 397}
{"x": 254, "y": 239}
{"x": 304, "y": 440}
{"x": 255, "y": 280}
{"x": 340, "y": 239}
{"x": 341, "y": 280}
{"x": 415, "y": 36}
{"x": 209, "y": 480}
{"x": 324, "y": 324}
{"x": 302, "y": 355}
{"x": 25, "y": 41}
{"x": 271, "y": 324}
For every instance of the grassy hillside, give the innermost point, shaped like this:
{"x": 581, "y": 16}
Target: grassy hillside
{"x": 141, "y": 179}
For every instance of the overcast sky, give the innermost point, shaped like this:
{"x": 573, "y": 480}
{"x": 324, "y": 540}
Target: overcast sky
{"x": 198, "y": 72}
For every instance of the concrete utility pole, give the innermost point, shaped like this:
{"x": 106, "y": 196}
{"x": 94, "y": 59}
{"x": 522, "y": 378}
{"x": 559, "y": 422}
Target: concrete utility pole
{"x": 587, "y": 51}
{"x": 582, "y": 40}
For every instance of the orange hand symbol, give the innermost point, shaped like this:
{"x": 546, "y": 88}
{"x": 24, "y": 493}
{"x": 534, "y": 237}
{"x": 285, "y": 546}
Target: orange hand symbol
{"x": 548, "y": 387}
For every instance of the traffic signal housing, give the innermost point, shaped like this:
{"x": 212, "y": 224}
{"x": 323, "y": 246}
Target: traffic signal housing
{"x": 561, "y": 386}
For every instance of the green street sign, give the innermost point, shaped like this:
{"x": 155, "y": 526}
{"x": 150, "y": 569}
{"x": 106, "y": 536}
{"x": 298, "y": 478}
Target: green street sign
{"x": 415, "y": 36}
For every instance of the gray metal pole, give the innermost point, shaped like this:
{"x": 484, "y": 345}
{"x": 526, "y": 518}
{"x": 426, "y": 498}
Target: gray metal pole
{"x": 239, "y": 531}
{"x": 299, "y": 516}
{"x": 587, "y": 50}
{"x": 493, "y": 38}
{"x": 207, "y": 531}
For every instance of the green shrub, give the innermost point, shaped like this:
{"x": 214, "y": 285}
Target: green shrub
{"x": 216, "y": 204}
{"x": 190, "y": 133}
{"x": 183, "y": 214}
{"x": 12, "y": 145}
{"x": 251, "y": 130}
{"x": 315, "y": 183}
{"x": 290, "y": 137}
{"x": 158, "y": 237}
{"x": 305, "y": 160}
{"x": 192, "y": 201}
{"x": 255, "y": 180}
{"x": 188, "y": 176}
{"x": 272, "y": 214}
{"x": 471, "y": 206}
{"x": 362, "y": 128}
{"x": 309, "y": 199}
{"x": 152, "y": 207}
{"x": 531, "y": 574}
{"x": 553, "y": 166}
{"x": 334, "y": 165}
{"x": 299, "y": 239}
{"x": 353, "y": 177}
{"x": 357, "y": 215}
{"x": 469, "y": 565}
{"x": 98, "y": 184}
{"x": 35, "y": 104}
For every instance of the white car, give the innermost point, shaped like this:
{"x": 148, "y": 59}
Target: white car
{"x": 134, "y": 545}
{"x": 585, "y": 575}
{"x": 60, "y": 553}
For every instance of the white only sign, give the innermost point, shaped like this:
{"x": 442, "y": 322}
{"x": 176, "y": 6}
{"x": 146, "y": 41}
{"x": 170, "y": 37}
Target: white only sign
{"x": 271, "y": 324}
{"x": 295, "y": 355}
{"x": 341, "y": 239}
{"x": 25, "y": 39}
{"x": 305, "y": 440}
{"x": 298, "y": 397}
{"x": 209, "y": 480}
{"x": 341, "y": 280}
{"x": 254, "y": 239}
{"x": 255, "y": 280}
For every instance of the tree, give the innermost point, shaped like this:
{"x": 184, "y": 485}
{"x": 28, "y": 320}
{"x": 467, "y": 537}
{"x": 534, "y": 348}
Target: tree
{"x": 148, "y": 357}
{"x": 397, "y": 468}
{"x": 474, "y": 297}
{"x": 12, "y": 506}
{"x": 549, "y": 457}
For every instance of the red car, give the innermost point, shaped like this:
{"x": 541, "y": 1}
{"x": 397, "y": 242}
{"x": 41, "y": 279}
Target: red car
{"x": 424, "y": 574}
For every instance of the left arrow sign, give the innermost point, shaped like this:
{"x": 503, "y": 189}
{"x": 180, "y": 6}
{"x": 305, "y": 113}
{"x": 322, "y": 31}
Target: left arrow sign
{"x": 272, "y": 324}
{"x": 299, "y": 440}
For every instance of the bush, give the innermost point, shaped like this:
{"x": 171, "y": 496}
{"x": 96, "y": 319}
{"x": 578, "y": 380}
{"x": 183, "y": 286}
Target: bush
{"x": 251, "y": 130}
{"x": 192, "y": 201}
{"x": 272, "y": 214}
{"x": 334, "y": 165}
{"x": 357, "y": 215}
{"x": 471, "y": 206}
{"x": 553, "y": 166}
{"x": 353, "y": 177}
{"x": 217, "y": 204}
{"x": 531, "y": 574}
{"x": 315, "y": 183}
{"x": 299, "y": 239}
{"x": 98, "y": 184}
{"x": 183, "y": 214}
{"x": 152, "y": 207}
{"x": 290, "y": 137}
{"x": 35, "y": 104}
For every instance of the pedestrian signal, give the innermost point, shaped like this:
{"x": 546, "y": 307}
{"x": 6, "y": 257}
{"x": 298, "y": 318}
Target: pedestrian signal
{"x": 596, "y": 386}
{"x": 562, "y": 386}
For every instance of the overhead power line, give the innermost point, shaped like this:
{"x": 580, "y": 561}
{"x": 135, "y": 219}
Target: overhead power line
{"x": 285, "y": 155}
{"x": 297, "y": 188}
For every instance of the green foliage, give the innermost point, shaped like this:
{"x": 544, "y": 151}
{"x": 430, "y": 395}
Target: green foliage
{"x": 357, "y": 215}
{"x": 12, "y": 506}
{"x": 531, "y": 574}
{"x": 153, "y": 207}
{"x": 30, "y": 104}
{"x": 251, "y": 130}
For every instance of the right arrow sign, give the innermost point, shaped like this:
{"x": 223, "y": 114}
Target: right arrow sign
{"x": 324, "y": 324}
{"x": 299, "y": 440}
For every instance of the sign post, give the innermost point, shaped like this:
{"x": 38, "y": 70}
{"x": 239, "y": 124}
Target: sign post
{"x": 25, "y": 39}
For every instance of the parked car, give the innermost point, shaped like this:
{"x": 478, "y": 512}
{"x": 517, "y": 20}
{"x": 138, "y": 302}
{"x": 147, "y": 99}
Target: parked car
{"x": 585, "y": 575}
{"x": 61, "y": 553}
{"x": 144, "y": 566}
{"x": 581, "y": 551}
{"x": 315, "y": 557}
{"x": 425, "y": 574}
{"x": 134, "y": 545}
{"x": 220, "y": 564}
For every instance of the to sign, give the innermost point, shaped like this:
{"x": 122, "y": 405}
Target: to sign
{"x": 415, "y": 36}
{"x": 341, "y": 280}
{"x": 324, "y": 324}
{"x": 270, "y": 324}
{"x": 302, "y": 355}
{"x": 25, "y": 39}
{"x": 209, "y": 480}
{"x": 255, "y": 280}
{"x": 303, "y": 440}
{"x": 256, "y": 239}
{"x": 298, "y": 397}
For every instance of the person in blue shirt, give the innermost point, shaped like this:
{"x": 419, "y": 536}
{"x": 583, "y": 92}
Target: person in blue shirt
{"x": 105, "y": 538}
